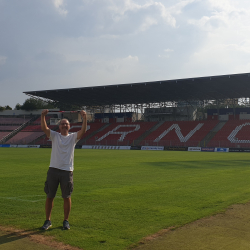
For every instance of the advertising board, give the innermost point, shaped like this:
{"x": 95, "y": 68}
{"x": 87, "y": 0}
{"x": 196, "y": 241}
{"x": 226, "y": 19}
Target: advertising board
{"x": 176, "y": 148}
{"x": 152, "y": 148}
{"x": 207, "y": 149}
{"x": 221, "y": 150}
{"x": 239, "y": 150}
{"x": 107, "y": 147}
{"x": 195, "y": 149}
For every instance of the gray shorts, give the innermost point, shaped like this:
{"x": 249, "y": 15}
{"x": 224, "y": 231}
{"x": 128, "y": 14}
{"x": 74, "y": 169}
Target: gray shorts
{"x": 56, "y": 176}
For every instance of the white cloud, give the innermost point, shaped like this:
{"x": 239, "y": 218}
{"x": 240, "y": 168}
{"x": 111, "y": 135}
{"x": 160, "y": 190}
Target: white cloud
{"x": 118, "y": 65}
{"x": 131, "y": 58}
{"x": 177, "y": 8}
{"x": 109, "y": 42}
{"x": 150, "y": 13}
{"x": 226, "y": 46}
{"x": 168, "y": 50}
{"x": 148, "y": 22}
{"x": 60, "y": 7}
{"x": 224, "y": 14}
{"x": 220, "y": 58}
{"x": 222, "y": 5}
{"x": 165, "y": 13}
{"x": 163, "y": 56}
{"x": 166, "y": 54}
{"x": 208, "y": 23}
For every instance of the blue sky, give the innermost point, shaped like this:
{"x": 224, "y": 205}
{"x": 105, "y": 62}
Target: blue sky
{"x": 50, "y": 44}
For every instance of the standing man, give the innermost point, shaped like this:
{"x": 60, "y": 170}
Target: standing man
{"x": 61, "y": 165}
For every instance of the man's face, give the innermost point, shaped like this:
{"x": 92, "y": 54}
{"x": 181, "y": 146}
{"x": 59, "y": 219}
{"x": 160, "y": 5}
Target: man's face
{"x": 64, "y": 126}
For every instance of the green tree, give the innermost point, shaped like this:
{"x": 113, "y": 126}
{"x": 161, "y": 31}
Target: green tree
{"x": 8, "y": 107}
{"x": 67, "y": 106}
{"x": 5, "y": 108}
{"x": 18, "y": 106}
{"x": 34, "y": 104}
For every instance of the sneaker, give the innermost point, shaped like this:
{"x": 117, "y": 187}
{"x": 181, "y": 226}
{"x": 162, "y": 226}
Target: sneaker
{"x": 47, "y": 224}
{"x": 66, "y": 225}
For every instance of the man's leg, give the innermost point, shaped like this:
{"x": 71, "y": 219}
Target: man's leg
{"x": 67, "y": 208}
{"x": 67, "y": 186}
{"x": 48, "y": 207}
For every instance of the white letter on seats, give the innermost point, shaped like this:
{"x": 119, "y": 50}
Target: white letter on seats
{"x": 232, "y": 137}
{"x": 122, "y": 133}
{"x": 178, "y": 132}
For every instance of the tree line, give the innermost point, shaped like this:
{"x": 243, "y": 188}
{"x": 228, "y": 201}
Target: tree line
{"x": 35, "y": 104}
{"x": 30, "y": 104}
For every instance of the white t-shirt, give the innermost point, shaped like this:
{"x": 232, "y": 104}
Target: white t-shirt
{"x": 62, "y": 154}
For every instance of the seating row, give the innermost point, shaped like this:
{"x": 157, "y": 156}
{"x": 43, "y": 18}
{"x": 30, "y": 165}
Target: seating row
{"x": 170, "y": 133}
{"x": 10, "y": 120}
{"x": 24, "y": 137}
{"x": 8, "y": 127}
{"x": 3, "y": 134}
{"x": 33, "y": 128}
{"x": 233, "y": 134}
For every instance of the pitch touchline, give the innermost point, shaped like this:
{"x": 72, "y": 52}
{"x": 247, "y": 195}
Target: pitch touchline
{"x": 19, "y": 198}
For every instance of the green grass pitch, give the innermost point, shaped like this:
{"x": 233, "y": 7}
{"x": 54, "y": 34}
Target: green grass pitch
{"x": 122, "y": 196}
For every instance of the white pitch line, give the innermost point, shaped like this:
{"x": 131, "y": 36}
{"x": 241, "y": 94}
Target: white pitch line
{"x": 19, "y": 198}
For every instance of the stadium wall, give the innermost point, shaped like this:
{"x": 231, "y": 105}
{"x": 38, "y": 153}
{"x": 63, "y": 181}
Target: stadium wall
{"x": 226, "y": 114}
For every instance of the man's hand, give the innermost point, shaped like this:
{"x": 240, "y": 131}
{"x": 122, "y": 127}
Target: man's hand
{"x": 44, "y": 126}
{"x": 83, "y": 114}
{"x": 81, "y": 132}
{"x": 45, "y": 112}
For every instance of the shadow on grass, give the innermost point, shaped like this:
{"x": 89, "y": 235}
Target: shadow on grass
{"x": 10, "y": 236}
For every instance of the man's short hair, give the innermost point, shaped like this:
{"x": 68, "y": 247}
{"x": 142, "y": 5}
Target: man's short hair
{"x": 59, "y": 122}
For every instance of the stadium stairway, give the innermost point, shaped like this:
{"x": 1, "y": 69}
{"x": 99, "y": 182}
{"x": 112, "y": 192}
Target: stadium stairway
{"x": 211, "y": 134}
{"x": 14, "y": 132}
{"x": 144, "y": 135}
{"x": 42, "y": 138}
{"x": 35, "y": 126}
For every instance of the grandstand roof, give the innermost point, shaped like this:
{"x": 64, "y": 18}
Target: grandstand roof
{"x": 189, "y": 89}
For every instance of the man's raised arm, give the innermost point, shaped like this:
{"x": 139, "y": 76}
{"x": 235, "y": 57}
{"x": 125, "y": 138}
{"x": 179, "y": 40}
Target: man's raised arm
{"x": 44, "y": 126}
{"x": 81, "y": 132}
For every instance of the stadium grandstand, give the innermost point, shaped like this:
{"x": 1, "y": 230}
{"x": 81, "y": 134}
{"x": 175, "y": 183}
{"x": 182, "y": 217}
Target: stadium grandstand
{"x": 169, "y": 113}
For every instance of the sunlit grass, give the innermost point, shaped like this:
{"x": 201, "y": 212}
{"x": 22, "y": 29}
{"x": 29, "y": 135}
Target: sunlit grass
{"x": 122, "y": 196}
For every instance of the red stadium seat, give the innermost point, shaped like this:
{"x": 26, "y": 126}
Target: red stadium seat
{"x": 235, "y": 133}
{"x": 179, "y": 133}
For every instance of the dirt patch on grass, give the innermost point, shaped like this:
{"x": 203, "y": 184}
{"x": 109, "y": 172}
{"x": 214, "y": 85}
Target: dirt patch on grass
{"x": 229, "y": 230}
{"x": 225, "y": 231}
{"x": 9, "y": 234}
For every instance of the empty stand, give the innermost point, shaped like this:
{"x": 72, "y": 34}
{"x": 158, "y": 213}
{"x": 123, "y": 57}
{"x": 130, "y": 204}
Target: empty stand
{"x": 74, "y": 127}
{"x": 235, "y": 133}
{"x": 8, "y": 127}
{"x": 13, "y": 121}
{"x": 92, "y": 129}
{"x": 120, "y": 133}
{"x": 24, "y": 137}
{"x": 179, "y": 133}
{"x": 36, "y": 128}
{"x": 3, "y": 134}
{"x": 38, "y": 120}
